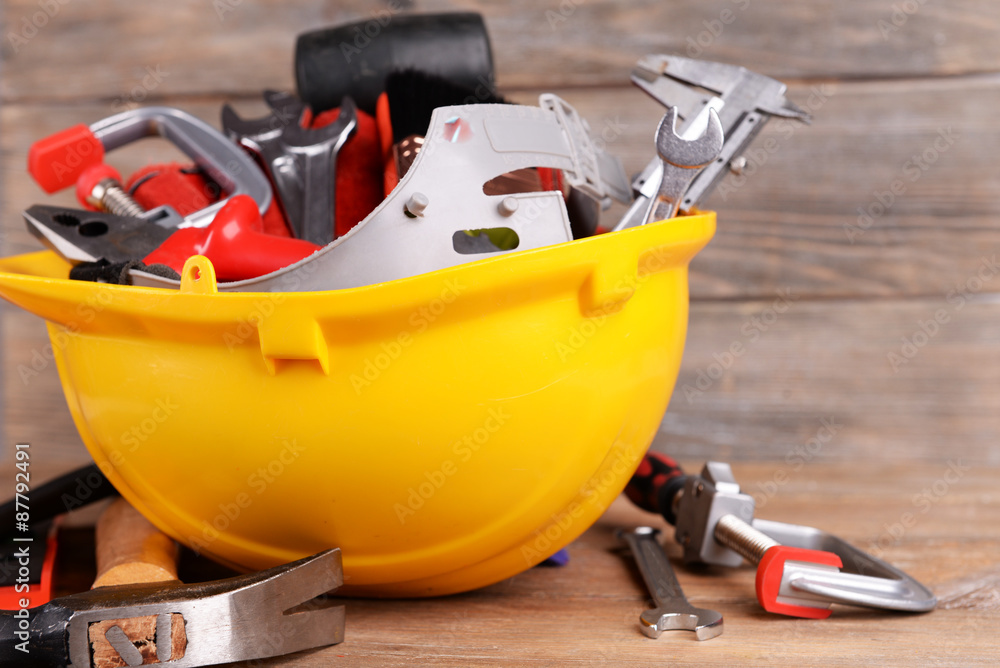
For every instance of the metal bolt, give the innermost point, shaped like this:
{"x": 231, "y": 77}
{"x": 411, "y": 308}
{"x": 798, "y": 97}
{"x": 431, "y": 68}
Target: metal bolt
{"x": 507, "y": 206}
{"x": 737, "y": 165}
{"x": 108, "y": 195}
{"x": 416, "y": 204}
{"x": 742, "y": 538}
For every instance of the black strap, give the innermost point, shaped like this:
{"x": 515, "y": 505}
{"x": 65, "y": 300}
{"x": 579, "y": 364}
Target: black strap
{"x": 70, "y": 491}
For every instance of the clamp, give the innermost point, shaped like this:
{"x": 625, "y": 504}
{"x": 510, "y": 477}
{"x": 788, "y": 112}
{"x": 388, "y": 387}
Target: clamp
{"x": 75, "y": 156}
{"x": 801, "y": 570}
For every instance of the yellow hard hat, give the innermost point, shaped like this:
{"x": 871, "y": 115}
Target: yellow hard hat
{"x": 446, "y": 430}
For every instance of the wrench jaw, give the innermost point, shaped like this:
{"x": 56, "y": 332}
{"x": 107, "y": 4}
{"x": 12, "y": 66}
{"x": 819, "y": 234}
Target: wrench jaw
{"x": 672, "y": 611}
{"x": 705, "y": 624}
{"x": 744, "y": 101}
{"x": 300, "y": 161}
{"x": 682, "y": 161}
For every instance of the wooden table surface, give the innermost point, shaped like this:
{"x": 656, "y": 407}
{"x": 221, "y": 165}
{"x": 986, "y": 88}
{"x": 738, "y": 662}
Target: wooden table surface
{"x": 587, "y": 612}
{"x": 902, "y": 93}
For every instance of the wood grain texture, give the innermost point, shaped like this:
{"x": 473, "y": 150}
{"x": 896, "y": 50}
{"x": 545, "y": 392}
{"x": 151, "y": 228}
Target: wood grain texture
{"x": 826, "y": 427}
{"x": 820, "y": 359}
{"x": 757, "y": 383}
{"x": 587, "y": 612}
{"x": 101, "y": 50}
{"x": 141, "y": 632}
{"x": 130, "y": 550}
{"x": 791, "y": 224}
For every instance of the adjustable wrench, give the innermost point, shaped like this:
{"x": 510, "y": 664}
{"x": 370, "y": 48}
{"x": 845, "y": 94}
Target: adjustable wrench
{"x": 672, "y": 609}
{"x": 682, "y": 161}
{"x": 300, "y": 161}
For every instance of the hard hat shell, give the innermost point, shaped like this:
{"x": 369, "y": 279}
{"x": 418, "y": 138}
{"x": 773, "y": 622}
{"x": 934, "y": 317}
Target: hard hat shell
{"x": 446, "y": 431}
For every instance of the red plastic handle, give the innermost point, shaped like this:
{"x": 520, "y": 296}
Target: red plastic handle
{"x": 57, "y": 161}
{"x": 771, "y": 569}
{"x": 234, "y": 243}
{"x": 89, "y": 178}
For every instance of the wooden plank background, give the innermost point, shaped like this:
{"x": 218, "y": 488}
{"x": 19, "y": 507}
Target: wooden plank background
{"x": 888, "y": 81}
{"x": 883, "y": 87}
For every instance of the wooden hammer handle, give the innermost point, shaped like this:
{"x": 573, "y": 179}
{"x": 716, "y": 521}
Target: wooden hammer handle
{"x": 130, "y": 550}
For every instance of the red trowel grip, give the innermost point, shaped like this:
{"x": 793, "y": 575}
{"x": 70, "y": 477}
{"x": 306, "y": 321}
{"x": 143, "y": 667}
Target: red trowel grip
{"x": 234, "y": 243}
{"x": 57, "y": 161}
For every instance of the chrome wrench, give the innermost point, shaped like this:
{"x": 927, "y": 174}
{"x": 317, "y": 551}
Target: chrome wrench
{"x": 672, "y": 609}
{"x": 744, "y": 100}
{"x": 682, "y": 161}
{"x": 300, "y": 161}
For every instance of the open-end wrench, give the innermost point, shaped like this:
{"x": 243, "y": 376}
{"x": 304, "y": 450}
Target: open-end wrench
{"x": 301, "y": 161}
{"x": 682, "y": 161}
{"x": 672, "y": 609}
{"x": 745, "y": 101}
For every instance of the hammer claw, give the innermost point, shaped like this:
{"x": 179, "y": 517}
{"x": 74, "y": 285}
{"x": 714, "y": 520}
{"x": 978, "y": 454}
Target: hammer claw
{"x": 246, "y": 617}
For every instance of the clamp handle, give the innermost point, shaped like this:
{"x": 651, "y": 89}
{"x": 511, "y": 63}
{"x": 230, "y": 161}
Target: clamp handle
{"x": 59, "y": 160}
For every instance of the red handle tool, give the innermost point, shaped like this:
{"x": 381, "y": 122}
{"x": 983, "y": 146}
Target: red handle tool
{"x": 235, "y": 244}
{"x": 233, "y": 241}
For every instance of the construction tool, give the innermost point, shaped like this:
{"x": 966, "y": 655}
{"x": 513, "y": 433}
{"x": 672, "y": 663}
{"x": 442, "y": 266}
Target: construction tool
{"x": 355, "y": 58}
{"x": 672, "y": 612}
{"x": 233, "y": 241}
{"x": 413, "y": 230}
{"x": 682, "y": 161}
{"x": 60, "y": 160}
{"x": 744, "y": 101}
{"x": 160, "y": 620}
{"x": 801, "y": 570}
{"x": 300, "y": 161}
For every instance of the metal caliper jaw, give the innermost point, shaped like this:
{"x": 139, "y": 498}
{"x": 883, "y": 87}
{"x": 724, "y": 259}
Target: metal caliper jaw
{"x": 744, "y": 100}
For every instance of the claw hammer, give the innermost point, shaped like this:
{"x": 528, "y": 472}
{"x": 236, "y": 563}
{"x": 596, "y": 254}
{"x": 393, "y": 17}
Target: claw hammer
{"x": 138, "y": 613}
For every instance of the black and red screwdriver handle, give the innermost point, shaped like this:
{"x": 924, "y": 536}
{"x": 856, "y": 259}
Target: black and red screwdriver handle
{"x": 655, "y": 484}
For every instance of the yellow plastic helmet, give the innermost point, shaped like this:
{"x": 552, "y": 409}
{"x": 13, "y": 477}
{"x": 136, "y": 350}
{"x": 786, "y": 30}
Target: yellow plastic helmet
{"x": 446, "y": 430}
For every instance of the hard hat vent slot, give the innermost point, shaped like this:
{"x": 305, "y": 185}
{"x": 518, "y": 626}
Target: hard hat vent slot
{"x": 489, "y": 240}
